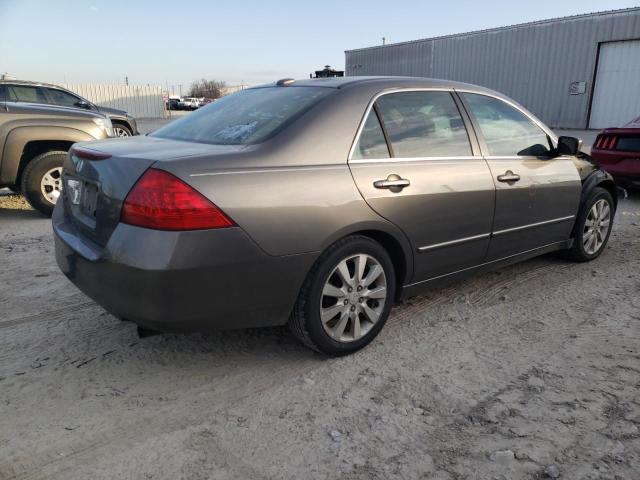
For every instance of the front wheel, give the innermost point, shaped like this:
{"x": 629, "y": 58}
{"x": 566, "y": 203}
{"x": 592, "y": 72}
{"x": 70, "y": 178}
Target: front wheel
{"x": 593, "y": 226}
{"x": 120, "y": 130}
{"x": 346, "y": 298}
{"x": 42, "y": 181}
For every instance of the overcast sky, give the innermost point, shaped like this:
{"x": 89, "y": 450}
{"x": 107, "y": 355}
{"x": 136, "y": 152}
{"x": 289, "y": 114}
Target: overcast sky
{"x": 174, "y": 42}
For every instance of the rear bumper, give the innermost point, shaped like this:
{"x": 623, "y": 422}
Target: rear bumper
{"x": 182, "y": 281}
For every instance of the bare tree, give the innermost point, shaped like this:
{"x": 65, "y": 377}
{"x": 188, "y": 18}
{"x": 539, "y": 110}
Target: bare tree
{"x": 207, "y": 88}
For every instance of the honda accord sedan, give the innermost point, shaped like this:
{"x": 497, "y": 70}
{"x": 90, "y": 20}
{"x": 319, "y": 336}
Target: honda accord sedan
{"x": 319, "y": 203}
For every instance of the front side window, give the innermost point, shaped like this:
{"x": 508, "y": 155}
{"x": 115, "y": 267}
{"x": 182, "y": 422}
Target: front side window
{"x": 371, "y": 143}
{"x": 246, "y": 117}
{"x": 25, "y": 93}
{"x": 423, "y": 124}
{"x": 62, "y": 98}
{"x": 506, "y": 130}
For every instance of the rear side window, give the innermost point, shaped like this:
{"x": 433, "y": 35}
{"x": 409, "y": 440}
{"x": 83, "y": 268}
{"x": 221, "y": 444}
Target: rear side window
{"x": 250, "y": 116}
{"x": 25, "y": 93}
{"x": 629, "y": 144}
{"x": 2, "y": 94}
{"x": 506, "y": 130}
{"x": 371, "y": 143}
{"x": 423, "y": 124}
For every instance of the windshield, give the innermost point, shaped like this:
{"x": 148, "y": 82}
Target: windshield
{"x": 246, "y": 117}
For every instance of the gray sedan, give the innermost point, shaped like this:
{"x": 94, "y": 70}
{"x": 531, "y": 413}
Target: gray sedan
{"x": 319, "y": 203}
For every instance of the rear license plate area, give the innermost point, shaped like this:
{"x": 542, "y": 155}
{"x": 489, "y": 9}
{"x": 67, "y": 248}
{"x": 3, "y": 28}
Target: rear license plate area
{"x": 83, "y": 199}
{"x": 89, "y": 200}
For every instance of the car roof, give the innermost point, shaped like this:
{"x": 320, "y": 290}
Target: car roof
{"x": 384, "y": 82}
{"x": 29, "y": 82}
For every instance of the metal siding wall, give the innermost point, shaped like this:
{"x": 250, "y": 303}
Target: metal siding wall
{"x": 534, "y": 64}
{"x": 141, "y": 101}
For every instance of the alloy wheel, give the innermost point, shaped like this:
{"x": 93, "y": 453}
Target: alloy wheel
{"x": 51, "y": 184}
{"x": 596, "y": 226}
{"x": 120, "y": 132}
{"x": 353, "y": 298}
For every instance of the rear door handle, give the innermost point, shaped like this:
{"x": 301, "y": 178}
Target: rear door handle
{"x": 508, "y": 176}
{"x": 394, "y": 182}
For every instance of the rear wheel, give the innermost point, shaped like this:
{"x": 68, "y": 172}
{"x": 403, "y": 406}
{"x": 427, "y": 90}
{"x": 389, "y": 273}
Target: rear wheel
{"x": 593, "y": 226}
{"x": 346, "y": 298}
{"x": 42, "y": 180}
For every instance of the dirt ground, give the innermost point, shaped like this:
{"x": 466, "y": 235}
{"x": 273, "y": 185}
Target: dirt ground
{"x": 532, "y": 371}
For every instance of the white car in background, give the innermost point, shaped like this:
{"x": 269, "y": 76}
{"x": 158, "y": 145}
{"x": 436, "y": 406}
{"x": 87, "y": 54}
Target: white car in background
{"x": 190, "y": 103}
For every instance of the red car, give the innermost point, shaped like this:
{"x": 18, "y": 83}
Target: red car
{"x": 617, "y": 150}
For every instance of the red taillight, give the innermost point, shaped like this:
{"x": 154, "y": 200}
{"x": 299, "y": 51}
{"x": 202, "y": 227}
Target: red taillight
{"x": 606, "y": 142}
{"x": 162, "y": 201}
{"x": 87, "y": 154}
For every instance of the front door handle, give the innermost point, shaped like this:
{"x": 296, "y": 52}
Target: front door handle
{"x": 508, "y": 177}
{"x": 394, "y": 182}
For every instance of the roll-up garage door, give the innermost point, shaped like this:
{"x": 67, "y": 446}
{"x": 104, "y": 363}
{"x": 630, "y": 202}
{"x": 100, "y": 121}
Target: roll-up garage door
{"x": 616, "y": 97}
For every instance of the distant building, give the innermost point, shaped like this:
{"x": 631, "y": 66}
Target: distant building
{"x": 327, "y": 72}
{"x": 573, "y": 72}
{"x": 233, "y": 89}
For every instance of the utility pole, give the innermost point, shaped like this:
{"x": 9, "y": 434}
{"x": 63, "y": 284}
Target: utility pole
{"x": 180, "y": 87}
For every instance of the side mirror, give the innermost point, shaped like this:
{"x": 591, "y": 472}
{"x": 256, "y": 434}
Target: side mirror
{"x": 568, "y": 145}
{"x": 83, "y": 104}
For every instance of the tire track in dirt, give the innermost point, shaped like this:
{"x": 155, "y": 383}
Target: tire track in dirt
{"x": 189, "y": 413}
{"x": 54, "y": 315}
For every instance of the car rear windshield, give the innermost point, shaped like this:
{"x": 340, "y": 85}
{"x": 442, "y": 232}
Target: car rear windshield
{"x": 246, "y": 117}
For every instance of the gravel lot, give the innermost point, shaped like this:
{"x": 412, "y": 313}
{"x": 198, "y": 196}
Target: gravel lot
{"x": 529, "y": 372}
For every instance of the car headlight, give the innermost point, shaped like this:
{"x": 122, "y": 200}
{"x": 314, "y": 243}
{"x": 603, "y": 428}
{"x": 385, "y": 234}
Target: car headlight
{"x": 105, "y": 125}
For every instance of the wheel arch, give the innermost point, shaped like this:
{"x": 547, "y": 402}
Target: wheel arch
{"x": 122, "y": 122}
{"x": 402, "y": 265}
{"x": 37, "y": 147}
{"x": 392, "y": 240}
{"x": 21, "y": 142}
{"x": 597, "y": 178}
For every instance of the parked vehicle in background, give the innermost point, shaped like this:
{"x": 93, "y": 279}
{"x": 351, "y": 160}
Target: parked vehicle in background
{"x": 189, "y": 103}
{"x": 174, "y": 103}
{"x": 362, "y": 190}
{"x": 617, "y": 150}
{"x": 124, "y": 125}
{"x": 34, "y": 140}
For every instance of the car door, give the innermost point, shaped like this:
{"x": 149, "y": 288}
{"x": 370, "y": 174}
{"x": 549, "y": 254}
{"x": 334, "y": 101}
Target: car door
{"x": 62, "y": 98}
{"x": 537, "y": 195}
{"x": 416, "y": 165}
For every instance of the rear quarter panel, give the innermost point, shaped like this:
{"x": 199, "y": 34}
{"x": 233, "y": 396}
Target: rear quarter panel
{"x": 293, "y": 210}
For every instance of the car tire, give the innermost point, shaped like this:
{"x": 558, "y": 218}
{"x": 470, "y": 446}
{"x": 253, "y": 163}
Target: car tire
{"x": 120, "y": 130}
{"x": 357, "y": 321}
{"x": 42, "y": 180}
{"x": 593, "y": 226}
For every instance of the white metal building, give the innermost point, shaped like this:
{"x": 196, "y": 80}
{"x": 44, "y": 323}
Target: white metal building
{"x": 141, "y": 101}
{"x": 573, "y": 72}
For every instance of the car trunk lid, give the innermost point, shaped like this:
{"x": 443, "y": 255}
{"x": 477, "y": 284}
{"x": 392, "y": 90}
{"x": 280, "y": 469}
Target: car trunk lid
{"x": 99, "y": 175}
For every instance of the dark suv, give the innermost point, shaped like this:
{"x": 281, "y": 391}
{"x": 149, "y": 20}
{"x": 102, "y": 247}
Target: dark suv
{"x": 34, "y": 140}
{"x": 124, "y": 125}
